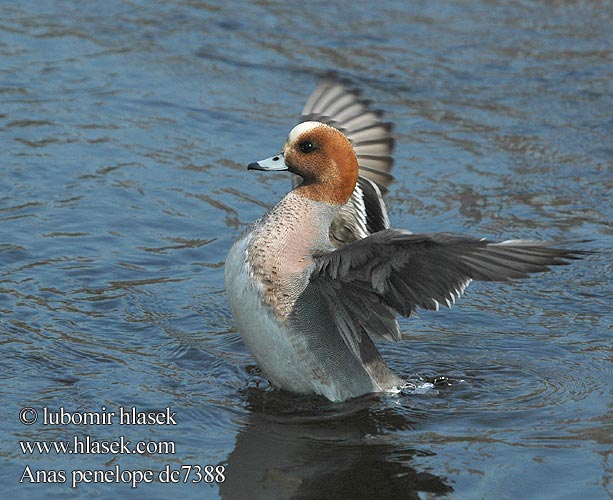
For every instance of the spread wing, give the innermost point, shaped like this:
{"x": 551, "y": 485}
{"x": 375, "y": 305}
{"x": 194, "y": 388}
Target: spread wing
{"x": 335, "y": 104}
{"x": 369, "y": 281}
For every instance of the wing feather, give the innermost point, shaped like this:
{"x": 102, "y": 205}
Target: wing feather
{"x": 394, "y": 272}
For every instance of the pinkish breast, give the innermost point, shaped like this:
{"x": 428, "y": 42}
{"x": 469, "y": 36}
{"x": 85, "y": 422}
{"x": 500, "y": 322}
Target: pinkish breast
{"x": 282, "y": 248}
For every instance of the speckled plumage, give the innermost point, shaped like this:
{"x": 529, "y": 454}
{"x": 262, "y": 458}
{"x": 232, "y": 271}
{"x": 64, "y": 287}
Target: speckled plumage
{"x": 282, "y": 246}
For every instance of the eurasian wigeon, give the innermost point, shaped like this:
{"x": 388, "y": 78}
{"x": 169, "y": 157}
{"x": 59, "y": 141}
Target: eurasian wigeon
{"x": 321, "y": 276}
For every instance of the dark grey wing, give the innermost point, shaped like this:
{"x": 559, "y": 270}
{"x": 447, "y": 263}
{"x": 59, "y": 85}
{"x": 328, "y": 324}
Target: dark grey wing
{"x": 335, "y": 104}
{"x": 367, "y": 282}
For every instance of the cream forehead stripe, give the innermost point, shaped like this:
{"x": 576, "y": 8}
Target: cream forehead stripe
{"x": 301, "y": 128}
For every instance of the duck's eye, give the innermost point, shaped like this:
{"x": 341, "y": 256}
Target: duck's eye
{"x": 306, "y": 146}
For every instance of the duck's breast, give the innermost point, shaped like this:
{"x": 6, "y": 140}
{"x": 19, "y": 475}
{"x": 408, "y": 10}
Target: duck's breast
{"x": 281, "y": 356}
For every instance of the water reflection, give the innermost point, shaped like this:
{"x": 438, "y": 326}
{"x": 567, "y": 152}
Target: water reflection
{"x": 310, "y": 448}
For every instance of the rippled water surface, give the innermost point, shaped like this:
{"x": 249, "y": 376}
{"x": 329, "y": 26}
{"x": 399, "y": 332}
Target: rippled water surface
{"x": 125, "y": 128}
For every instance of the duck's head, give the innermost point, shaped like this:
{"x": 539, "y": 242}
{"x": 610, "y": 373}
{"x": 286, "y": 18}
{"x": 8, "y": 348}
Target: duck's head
{"x": 323, "y": 157}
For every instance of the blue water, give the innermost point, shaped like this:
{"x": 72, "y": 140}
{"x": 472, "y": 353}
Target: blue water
{"x": 125, "y": 128}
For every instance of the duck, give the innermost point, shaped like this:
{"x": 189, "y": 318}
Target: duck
{"x": 319, "y": 279}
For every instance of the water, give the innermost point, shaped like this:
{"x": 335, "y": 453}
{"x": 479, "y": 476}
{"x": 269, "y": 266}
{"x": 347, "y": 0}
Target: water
{"x": 125, "y": 130}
